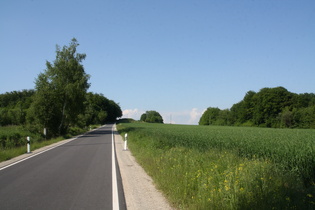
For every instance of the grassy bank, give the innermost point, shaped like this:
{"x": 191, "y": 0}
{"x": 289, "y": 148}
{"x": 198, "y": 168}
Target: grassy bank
{"x": 13, "y": 140}
{"x": 9, "y": 153}
{"x": 211, "y": 167}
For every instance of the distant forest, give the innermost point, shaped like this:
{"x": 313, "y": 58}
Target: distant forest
{"x": 60, "y": 101}
{"x": 270, "y": 107}
{"x": 17, "y": 108}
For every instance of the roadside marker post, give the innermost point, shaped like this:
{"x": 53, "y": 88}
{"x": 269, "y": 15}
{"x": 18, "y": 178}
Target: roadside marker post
{"x": 126, "y": 138}
{"x": 28, "y": 144}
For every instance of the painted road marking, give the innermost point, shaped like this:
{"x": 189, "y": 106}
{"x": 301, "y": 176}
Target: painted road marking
{"x": 19, "y": 161}
{"x": 114, "y": 178}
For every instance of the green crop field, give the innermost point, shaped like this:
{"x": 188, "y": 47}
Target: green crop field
{"x": 218, "y": 167}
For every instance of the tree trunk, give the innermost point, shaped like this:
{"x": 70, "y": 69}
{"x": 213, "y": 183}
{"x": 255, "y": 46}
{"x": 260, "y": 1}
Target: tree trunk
{"x": 62, "y": 117}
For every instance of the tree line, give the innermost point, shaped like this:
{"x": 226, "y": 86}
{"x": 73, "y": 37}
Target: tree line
{"x": 270, "y": 107}
{"x": 60, "y": 99}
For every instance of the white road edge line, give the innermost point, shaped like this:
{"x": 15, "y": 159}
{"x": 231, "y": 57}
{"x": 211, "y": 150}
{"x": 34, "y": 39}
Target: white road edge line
{"x": 19, "y": 161}
{"x": 66, "y": 141}
{"x": 114, "y": 178}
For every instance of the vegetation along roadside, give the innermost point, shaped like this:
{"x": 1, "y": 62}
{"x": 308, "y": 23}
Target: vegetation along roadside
{"x": 220, "y": 167}
{"x": 59, "y": 104}
{"x": 13, "y": 140}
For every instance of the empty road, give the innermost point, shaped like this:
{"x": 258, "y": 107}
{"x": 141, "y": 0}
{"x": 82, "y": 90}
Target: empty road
{"x": 75, "y": 175}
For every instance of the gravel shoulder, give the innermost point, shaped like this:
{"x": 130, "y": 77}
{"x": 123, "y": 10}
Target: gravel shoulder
{"x": 139, "y": 189}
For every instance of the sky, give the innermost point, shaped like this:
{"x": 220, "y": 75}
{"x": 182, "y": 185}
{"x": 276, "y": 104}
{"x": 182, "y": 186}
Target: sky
{"x": 172, "y": 56}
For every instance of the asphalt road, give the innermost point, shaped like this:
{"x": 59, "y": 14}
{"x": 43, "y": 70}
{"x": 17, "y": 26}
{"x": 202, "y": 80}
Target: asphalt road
{"x": 75, "y": 175}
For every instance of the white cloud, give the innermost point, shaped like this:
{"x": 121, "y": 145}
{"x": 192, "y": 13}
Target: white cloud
{"x": 183, "y": 117}
{"x": 132, "y": 113}
{"x": 194, "y": 116}
{"x": 180, "y": 117}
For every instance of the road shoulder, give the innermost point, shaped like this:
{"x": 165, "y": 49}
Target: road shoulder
{"x": 15, "y": 160}
{"x": 139, "y": 189}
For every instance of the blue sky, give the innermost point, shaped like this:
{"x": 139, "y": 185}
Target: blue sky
{"x": 176, "y": 57}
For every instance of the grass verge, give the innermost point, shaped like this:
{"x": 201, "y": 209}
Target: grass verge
{"x": 12, "y": 137}
{"x": 7, "y": 154}
{"x": 226, "y": 167}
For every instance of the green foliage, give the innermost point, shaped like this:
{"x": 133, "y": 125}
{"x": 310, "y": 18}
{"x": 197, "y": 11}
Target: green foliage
{"x": 151, "y": 117}
{"x": 13, "y": 140}
{"x": 209, "y": 116}
{"x": 269, "y": 102}
{"x": 215, "y": 116}
{"x": 143, "y": 117}
{"x": 14, "y": 106}
{"x": 8, "y": 153}
{"x": 60, "y": 102}
{"x": 114, "y": 111}
{"x": 126, "y": 120}
{"x": 304, "y": 117}
{"x": 220, "y": 167}
{"x": 99, "y": 109}
{"x": 15, "y": 136}
{"x": 270, "y": 107}
{"x": 61, "y": 89}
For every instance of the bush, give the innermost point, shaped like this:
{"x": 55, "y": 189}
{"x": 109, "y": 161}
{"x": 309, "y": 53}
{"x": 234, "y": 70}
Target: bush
{"x": 151, "y": 117}
{"x": 15, "y": 136}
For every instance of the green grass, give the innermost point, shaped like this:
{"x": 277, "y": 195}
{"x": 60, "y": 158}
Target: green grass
{"x": 13, "y": 140}
{"x": 15, "y": 136}
{"x": 7, "y": 154}
{"x": 212, "y": 167}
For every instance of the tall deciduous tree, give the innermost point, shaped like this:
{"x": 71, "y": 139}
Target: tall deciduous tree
{"x": 61, "y": 89}
{"x": 210, "y": 116}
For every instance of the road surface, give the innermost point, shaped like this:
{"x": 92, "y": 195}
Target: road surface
{"x": 75, "y": 175}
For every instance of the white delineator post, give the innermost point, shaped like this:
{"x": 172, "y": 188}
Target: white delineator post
{"x": 28, "y": 144}
{"x": 126, "y": 138}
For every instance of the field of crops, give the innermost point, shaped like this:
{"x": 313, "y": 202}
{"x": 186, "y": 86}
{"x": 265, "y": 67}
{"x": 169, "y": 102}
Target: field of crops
{"x": 213, "y": 167}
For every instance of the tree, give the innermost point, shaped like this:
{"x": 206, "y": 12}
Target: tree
{"x": 99, "y": 109}
{"x": 286, "y": 117}
{"x": 151, "y": 117}
{"x": 114, "y": 111}
{"x": 305, "y": 117}
{"x": 209, "y": 116}
{"x": 143, "y": 117}
{"x": 13, "y": 107}
{"x": 270, "y": 107}
{"x": 61, "y": 89}
{"x": 224, "y": 117}
{"x": 269, "y": 103}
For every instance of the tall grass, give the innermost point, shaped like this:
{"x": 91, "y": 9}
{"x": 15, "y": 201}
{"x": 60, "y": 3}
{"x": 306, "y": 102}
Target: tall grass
{"x": 205, "y": 167}
{"x": 9, "y": 153}
{"x": 13, "y": 140}
{"x": 15, "y": 136}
